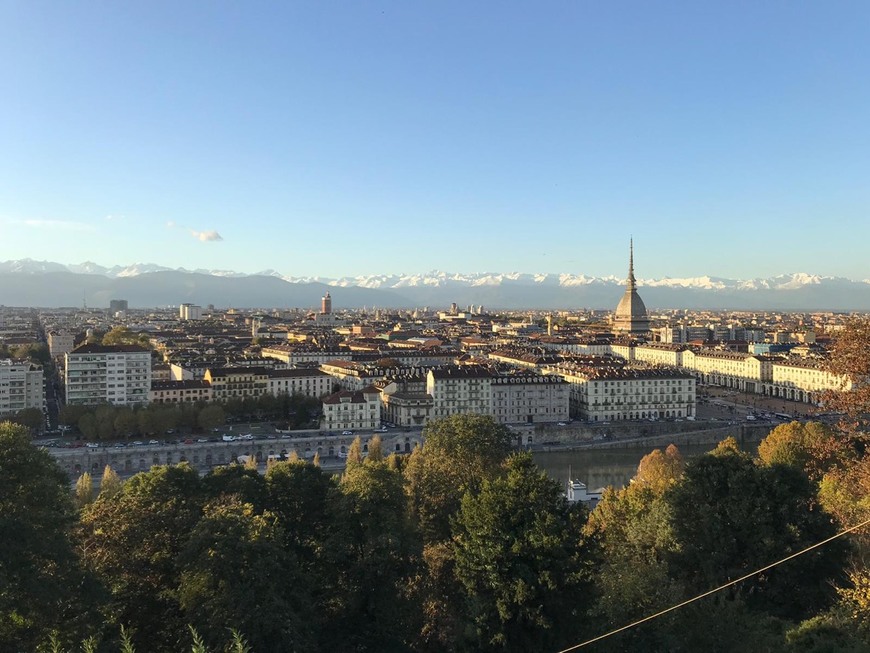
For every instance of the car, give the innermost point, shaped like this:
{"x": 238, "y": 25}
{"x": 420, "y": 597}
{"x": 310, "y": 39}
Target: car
{"x": 228, "y": 438}
{"x": 92, "y": 445}
{"x": 138, "y": 443}
{"x": 120, "y": 445}
{"x": 153, "y": 442}
{"x": 347, "y": 432}
{"x": 202, "y": 440}
{"x": 188, "y": 441}
{"x": 562, "y": 424}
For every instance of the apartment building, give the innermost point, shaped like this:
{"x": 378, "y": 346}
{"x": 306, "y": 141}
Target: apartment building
{"x": 237, "y": 382}
{"x": 60, "y": 343}
{"x": 21, "y": 386}
{"x": 309, "y": 382}
{"x": 179, "y": 392}
{"x": 349, "y": 410}
{"x": 743, "y": 372}
{"x": 805, "y": 380}
{"x": 115, "y": 374}
{"x": 626, "y": 394}
{"x": 656, "y": 353}
{"x": 460, "y": 390}
{"x": 529, "y": 398}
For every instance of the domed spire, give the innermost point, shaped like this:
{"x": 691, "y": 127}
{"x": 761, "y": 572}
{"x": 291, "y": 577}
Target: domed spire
{"x": 631, "y": 316}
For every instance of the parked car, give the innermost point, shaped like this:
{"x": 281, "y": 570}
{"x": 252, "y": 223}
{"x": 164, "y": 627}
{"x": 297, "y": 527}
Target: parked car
{"x": 347, "y": 432}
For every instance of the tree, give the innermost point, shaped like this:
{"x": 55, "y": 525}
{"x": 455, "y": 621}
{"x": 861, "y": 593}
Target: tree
{"x": 458, "y": 454}
{"x": 235, "y": 574}
{"x": 88, "y": 426}
{"x": 845, "y": 492}
{"x": 730, "y": 516}
{"x": 42, "y": 585}
{"x": 354, "y": 454}
{"x": 242, "y": 481}
{"x": 521, "y": 561}
{"x": 211, "y": 416}
{"x": 659, "y": 470}
{"x": 377, "y": 546}
{"x": 850, "y": 359}
{"x": 84, "y": 490}
{"x": 376, "y": 451}
{"x": 132, "y": 541}
{"x": 125, "y": 423}
{"x": 110, "y": 483}
{"x": 32, "y": 418}
{"x": 812, "y": 447}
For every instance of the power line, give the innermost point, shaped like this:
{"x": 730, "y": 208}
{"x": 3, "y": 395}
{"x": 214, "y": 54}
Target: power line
{"x": 713, "y": 591}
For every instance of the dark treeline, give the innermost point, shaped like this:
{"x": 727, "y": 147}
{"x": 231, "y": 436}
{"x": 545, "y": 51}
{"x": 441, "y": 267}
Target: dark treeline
{"x": 462, "y": 546}
{"x": 108, "y": 422}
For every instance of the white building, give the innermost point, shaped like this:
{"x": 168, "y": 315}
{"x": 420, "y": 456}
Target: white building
{"x": 21, "y": 386}
{"x": 190, "y": 312}
{"x": 115, "y": 374}
{"x": 529, "y": 398}
{"x": 309, "y": 382}
{"x": 743, "y": 372}
{"x": 347, "y": 411}
{"x": 604, "y": 394}
{"x": 460, "y": 390}
{"x": 804, "y": 380}
{"x": 657, "y": 353}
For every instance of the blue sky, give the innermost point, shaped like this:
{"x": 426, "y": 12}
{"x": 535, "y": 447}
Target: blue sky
{"x": 344, "y": 138}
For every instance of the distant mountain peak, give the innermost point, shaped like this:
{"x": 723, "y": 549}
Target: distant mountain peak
{"x": 796, "y": 290}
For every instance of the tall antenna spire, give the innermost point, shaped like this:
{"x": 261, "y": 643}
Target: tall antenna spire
{"x": 632, "y": 282}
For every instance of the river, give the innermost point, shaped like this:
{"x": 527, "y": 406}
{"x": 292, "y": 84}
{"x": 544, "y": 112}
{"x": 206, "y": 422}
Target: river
{"x": 602, "y": 467}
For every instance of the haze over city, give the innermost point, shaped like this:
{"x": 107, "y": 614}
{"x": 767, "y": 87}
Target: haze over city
{"x": 343, "y": 139}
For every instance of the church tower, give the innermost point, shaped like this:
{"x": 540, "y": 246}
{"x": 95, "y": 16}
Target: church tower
{"x": 631, "y": 317}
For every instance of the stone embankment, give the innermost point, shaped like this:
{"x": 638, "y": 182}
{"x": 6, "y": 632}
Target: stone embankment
{"x": 631, "y": 434}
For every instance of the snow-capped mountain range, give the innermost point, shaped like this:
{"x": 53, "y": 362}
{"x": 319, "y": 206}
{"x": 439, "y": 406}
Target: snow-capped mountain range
{"x": 436, "y": 278}
{"x": 144, "y": 282}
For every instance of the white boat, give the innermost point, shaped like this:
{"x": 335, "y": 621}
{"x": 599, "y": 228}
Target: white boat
{"x": 577, "y": 491}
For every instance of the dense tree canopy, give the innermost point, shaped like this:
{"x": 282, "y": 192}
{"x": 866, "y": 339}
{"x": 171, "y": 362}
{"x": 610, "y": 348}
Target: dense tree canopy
{"x": 459, "y": 547}
{"x": 42, "y": 585}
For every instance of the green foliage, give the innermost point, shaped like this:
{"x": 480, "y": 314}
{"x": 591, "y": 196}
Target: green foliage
{"x": 42, "y": 585}
{"x": 133, "y": 540}
{"x": 731, "y": 516}
{"x": 521, "y": 561}
{"x": 460, "y": 452}
{"x": 32, "y": 418}
{"x": 235, "y": 573}
{"x": 211, "y": 416}
{"x": 377, "y": 545}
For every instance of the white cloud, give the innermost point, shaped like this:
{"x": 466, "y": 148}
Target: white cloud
{"x": 206, "y": 236}
{"x": 210, "y": 236}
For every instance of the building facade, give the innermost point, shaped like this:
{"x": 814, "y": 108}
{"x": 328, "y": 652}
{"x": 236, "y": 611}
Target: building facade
{"x": 530, "y": 398}
{"x": 460, "y": 390}
{"x": 115, "y": 374}
{"x": 21, "y": 386}
{"x": 347, "y": 410}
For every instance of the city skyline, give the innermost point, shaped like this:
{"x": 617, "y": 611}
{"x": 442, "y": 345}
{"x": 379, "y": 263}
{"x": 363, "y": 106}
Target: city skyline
{"x": 337, "y": 141}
